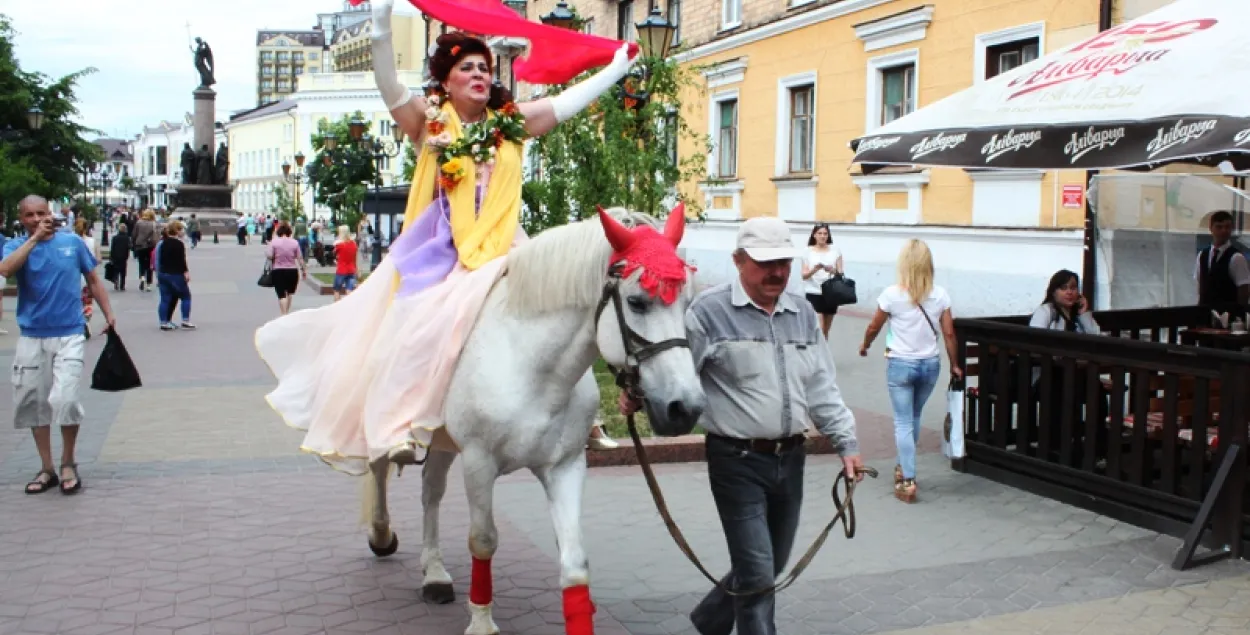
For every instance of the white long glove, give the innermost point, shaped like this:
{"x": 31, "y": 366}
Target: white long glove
{"x": 575, "y": 98}
{"x": 394, "y": 93}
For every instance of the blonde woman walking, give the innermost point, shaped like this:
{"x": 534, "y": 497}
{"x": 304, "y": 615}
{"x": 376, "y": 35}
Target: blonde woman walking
{"x": 914, "y": 307}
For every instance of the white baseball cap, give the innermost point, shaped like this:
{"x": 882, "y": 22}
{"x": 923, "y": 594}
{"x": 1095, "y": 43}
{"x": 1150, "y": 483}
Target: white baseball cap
{"x": 766, "y": 238}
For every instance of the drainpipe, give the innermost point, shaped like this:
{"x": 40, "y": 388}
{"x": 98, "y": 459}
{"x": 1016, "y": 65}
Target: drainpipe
{"x": 1089, "y": 282}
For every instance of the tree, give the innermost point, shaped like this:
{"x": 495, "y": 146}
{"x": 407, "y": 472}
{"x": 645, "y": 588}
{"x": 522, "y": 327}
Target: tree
{"x": 341, "y": 184}
{"x": 49, "y": 161}
{"x": 617, "y": 152}
{"x": 285, "y": 206}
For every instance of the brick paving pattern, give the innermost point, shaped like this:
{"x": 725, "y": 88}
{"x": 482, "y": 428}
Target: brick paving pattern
{"x": 201, "y": 517}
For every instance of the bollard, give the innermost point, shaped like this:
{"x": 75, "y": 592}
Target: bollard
{"x": 215, "y": 241}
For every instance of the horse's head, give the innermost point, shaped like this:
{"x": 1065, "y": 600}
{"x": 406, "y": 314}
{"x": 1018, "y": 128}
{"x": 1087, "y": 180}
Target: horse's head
{"x": 641, "y": 320}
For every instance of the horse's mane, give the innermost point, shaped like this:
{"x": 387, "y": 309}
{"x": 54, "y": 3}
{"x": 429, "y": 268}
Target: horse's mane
{"x": 565, "y": 267}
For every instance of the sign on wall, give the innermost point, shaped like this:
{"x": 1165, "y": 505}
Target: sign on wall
{"x": 1074, "y": 196}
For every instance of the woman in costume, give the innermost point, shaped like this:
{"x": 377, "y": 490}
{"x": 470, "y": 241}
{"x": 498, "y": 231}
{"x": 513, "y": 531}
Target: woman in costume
{"x": 365, "y": 377}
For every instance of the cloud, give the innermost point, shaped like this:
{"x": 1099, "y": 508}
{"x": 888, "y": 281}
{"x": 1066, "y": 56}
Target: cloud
{"x": 141, "y": 49}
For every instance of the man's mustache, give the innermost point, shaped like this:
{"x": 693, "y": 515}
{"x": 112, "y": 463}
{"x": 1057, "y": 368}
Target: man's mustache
{"x": 774, "y": 281}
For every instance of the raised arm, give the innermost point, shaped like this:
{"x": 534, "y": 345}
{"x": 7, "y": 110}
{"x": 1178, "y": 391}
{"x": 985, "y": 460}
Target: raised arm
{"x": 542, "y": 115}
{"x": 407, "y": 109}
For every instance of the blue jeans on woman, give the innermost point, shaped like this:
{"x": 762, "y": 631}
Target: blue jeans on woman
{"x": 173, "y": 288}
{"x": 911, "y": 381}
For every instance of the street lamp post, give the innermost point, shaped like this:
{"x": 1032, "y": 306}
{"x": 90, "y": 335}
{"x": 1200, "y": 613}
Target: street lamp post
{"x": 296, "y": 179}
{"x": 560, "y": 16}
{"x": 381, "y": 149}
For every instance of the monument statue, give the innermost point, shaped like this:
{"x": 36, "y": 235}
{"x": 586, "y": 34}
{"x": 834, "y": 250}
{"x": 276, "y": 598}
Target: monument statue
{"x": 204, "y": 63}
{"x": 222, "y": 173}
{"x": 188, "y": 164}
{"x": 204, "y": 166}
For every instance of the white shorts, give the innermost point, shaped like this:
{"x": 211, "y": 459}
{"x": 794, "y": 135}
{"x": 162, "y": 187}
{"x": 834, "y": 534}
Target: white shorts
{"x": 47, "y": 373}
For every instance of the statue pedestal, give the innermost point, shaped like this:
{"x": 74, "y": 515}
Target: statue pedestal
{"x": 204, "y": 119}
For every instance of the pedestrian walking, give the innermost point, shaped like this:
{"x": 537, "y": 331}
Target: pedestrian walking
{"x": 914, "y": 308}
{"x": 119, "y": 255}
{"x": 174, "y": 277}
{"x": 345, "y": 263}
{"x": 144, "y": 240}
{"x": 767, "y": 372}
{"x": 193, "y": 231}
{"x": 821, "y": 261}
{"x": 287, "y": 266}
{"x": 48, "y": 361}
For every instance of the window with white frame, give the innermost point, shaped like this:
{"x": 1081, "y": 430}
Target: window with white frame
{"x": 673, "y": 14}
{"x": 1009, "y": 55}
{"x": 731, "y": 14}
{"x": 898, "y": 91}
{"x": 801, "y": 128}
{"x": 625, "y": 20}
{"x": 726, "y": 137}
{"x": 588, "y": 27}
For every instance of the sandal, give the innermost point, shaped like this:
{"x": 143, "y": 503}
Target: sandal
{"x": 898, "y": 474}
{"x": 37, "y": 486}
{"x": 905, "y": 490}
{"x": 77, "y": 481}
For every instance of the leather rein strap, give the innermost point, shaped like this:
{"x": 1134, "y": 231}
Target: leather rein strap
{"x": 627, "y": 381}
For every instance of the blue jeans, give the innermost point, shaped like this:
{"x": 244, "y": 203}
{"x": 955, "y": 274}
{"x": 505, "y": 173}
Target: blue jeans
{"x": 911, "y": 381}
{"x": 758, "y": 497}
{"x": 173, "y": 288}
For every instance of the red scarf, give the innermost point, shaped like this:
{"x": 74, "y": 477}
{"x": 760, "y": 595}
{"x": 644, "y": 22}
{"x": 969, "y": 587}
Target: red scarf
{"x": 556, "y": 55}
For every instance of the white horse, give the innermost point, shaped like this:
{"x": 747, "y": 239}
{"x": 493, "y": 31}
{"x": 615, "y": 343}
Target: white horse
{"x": 523, "y": 396}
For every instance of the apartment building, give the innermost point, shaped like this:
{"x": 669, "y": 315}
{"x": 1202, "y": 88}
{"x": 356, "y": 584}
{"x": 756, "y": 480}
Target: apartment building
{"x": 283, "y": 57}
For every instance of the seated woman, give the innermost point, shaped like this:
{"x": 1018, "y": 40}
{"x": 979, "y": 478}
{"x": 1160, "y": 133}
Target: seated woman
{"x": 365, "y": 377}
{"x": 1065, "y": 309}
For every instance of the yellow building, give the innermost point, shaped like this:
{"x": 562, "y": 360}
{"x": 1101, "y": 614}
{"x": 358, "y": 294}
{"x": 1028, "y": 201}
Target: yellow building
{"x": 352, "y": 49}
{"x": 786, "y": 86}
{"x": 283, "y": 57}
{"x": 259, "y": 142}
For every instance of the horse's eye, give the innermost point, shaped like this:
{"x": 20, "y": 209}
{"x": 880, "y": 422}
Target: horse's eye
{"x": 637, "y": 305}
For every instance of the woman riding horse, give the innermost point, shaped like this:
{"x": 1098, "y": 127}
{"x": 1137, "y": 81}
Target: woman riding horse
{"x": 368, "y": 383}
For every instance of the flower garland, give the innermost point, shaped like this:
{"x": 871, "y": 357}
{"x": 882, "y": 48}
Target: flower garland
{"x": 478, "y": 143}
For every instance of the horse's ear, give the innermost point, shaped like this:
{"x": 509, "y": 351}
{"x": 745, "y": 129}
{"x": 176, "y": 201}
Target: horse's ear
{"x": 618, "y": 235}
{"x": 675, "y": 226}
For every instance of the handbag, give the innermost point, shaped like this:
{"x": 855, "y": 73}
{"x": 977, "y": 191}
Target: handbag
{"x": 838, "y": 290}
{"x": 953, "y": 427}
{"x": 266, "y": 276}
{"x": 115, "y": 371}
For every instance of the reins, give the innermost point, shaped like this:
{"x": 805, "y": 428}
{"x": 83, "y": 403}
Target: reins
{"x": 627, "y": 380}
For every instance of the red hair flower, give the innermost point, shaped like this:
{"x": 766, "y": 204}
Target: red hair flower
{"x": 455, "y": 50}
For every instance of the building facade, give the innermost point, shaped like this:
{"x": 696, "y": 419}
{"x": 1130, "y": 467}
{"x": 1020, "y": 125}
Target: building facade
{"x": 784, "y": 86}
{"x": 283, "y": 57}
{"x": 261, "y": 140}
{"x": 352, "y": 46}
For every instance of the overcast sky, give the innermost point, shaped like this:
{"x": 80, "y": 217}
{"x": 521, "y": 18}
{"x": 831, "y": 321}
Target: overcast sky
{"x": 146, "y": 69}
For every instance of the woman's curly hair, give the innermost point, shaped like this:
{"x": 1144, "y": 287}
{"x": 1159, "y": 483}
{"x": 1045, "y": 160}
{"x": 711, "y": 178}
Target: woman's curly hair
{"x": 453, "y": 47}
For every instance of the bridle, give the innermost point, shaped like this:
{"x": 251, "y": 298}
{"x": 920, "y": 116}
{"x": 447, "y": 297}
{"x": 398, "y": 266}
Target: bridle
{"x": 639, "y": 349}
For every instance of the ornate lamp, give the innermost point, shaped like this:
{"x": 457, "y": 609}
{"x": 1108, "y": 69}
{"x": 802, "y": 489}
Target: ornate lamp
{"x": 299, "y": 160}
{"x": 356, "y": 127}
{"x": 330, "y": 141}
{"x": 397, "y": 132}
{"x": 655, "y": 35}
{"x": 286, "y": 169}
{"x": 560, "y": 16}
{"x": 34, "y": 117}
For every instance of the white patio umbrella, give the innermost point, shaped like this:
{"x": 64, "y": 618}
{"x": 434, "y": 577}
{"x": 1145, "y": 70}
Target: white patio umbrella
{"x": 1166, "y": 87}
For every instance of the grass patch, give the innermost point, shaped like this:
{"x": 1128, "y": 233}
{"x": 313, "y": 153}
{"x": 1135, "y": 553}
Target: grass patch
{"x": 613, "y": 420}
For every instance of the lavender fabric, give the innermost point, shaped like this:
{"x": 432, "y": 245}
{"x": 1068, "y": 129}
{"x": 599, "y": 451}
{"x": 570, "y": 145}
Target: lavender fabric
{"x": 425, "y": 253}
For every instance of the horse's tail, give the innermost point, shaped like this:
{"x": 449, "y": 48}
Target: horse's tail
{"x": 369, "y": 494}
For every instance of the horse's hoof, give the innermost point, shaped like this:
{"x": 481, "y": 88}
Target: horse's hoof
{"x": 388, "y": 550}
{"x": 438, "y": 593}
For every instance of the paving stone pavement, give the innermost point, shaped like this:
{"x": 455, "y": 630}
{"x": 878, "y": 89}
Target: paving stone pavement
{"x": 201, "y": 517}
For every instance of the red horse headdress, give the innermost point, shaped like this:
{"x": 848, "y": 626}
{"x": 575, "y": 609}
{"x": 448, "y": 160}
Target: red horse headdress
{"x": 663, "y": 271}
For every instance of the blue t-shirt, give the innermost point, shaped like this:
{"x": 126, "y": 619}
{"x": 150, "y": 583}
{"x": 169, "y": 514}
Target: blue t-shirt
{"x": 49, "y": 285}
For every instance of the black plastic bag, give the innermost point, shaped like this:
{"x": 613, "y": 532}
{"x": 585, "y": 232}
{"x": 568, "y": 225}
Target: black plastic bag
{"x": 839, "y": 290}
{"x": 114, "y": 371}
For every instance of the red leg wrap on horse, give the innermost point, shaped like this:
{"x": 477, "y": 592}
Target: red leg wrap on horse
{"x": 480, "y": 591}
{"x": 579, "y": 611}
